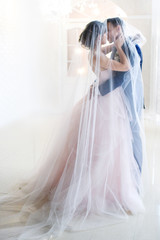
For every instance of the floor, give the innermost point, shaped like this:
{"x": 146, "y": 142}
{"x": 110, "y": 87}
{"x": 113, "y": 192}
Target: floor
{"x": 141, "y": 227}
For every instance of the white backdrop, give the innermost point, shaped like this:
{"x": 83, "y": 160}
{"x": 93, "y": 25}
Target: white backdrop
{"x": 33, "y": 71}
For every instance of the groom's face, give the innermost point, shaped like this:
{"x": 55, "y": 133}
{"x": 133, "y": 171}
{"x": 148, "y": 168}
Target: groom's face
{"x": 112, "y": 32}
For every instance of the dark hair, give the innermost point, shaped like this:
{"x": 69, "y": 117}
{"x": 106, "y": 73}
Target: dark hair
{"x": 116, "y": 21}
{"x": 89, "y": 35}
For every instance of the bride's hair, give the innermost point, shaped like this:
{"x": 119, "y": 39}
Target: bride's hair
{"x": 89, "y": 35}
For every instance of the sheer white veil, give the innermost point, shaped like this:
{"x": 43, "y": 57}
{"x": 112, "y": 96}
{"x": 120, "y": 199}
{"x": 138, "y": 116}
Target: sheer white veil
{"x": 92, "y": 172}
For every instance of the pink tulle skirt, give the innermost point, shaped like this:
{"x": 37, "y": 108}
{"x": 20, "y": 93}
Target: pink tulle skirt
{"x": 91, "y": 178}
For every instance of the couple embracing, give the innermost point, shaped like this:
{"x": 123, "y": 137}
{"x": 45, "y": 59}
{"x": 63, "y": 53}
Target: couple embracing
{"x": 122, "y": 70}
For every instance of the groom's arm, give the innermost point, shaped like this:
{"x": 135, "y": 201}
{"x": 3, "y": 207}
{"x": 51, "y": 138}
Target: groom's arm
{"x": 112, "y": 83}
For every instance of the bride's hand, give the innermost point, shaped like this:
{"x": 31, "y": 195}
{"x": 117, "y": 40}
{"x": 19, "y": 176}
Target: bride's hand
{"x": 119, "y": 41}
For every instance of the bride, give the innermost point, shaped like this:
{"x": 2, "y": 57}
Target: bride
{"x": 91, "y": 177}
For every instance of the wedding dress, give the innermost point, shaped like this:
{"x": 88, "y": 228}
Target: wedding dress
{"x": 90, "y": 177}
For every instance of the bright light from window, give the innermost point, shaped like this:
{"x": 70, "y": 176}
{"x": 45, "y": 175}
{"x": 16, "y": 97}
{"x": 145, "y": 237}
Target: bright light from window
{"x": 96, "y": 11}
{"x": 78, "y": 50}
{"x": 81, "y": 70}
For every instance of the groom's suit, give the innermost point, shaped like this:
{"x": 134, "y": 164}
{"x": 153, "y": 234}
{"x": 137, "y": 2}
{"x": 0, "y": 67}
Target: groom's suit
{"x": 120, "y": 79}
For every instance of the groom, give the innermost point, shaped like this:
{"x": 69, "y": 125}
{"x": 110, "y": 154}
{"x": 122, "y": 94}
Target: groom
{"x": 114, "y": 27}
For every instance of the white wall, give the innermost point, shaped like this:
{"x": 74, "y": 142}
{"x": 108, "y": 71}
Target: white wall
{"x": 32, "y": 73}
{"x": 30, "y": 87}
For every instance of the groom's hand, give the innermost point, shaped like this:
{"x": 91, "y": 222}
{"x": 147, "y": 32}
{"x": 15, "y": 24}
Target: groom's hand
{"x": 119, "y": 41}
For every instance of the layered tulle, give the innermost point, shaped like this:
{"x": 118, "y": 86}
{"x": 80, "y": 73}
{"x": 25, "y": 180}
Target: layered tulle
{"x": 95, "y": 181}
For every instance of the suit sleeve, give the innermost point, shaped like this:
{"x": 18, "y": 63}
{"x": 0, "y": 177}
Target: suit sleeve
{"x": 112, "y": 83}
{"x": 117, "y": 77}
